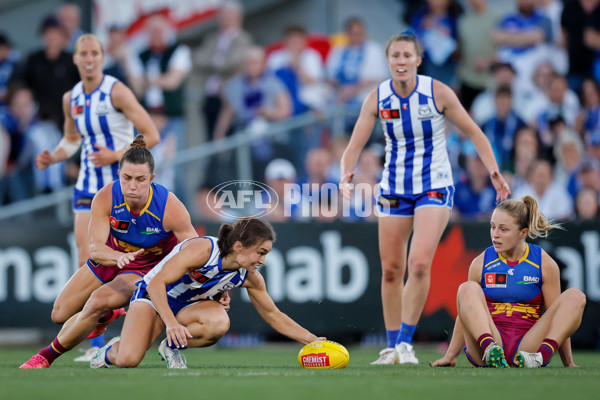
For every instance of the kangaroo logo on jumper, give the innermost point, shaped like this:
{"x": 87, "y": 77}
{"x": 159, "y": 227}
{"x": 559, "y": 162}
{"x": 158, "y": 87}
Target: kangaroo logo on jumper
{"x": 527, "y": 280}
{"x": 150, "y": 231}
{"x": 102, "y": 108}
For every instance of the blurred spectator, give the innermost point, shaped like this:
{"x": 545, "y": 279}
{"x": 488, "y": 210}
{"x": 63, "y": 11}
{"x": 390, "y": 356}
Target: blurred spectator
{"x": 568, "y": 152}
{"x": 435, "y": 24}
{"x": 117, "y": 55}
{"x": 587, "y": 175}
{"x": 301, "y": 69}
{"x": 314, "y": 198}
{"x": 477, "y": 52}
{"x": 557, "y": 54}
{"x": 588, "y": 119}
{"x": 279, "y": 173}
{"x": 521, "y": 38}
{"x": 164, "y": 152}
{"x": 219, "y": 58}
{"x": 4, "y": 151}
{"x": 501, "y": 128}
{"x": 575, "y": 19}
{"x": 475, "y": 196}
{"x": 526, "y": 151}
{"x": 562, "y": 103}
{"x": 586, "y": 205}
{"x": 591, "y": 38}
{"x": 157, "y": 77}
{"x": 69, "y": 15}
{"x": 251, "y": 100}
{"x": 159, "y": 72}
{"x": 538, "y": 94}
{"x": 50, "y": 72}
{"x": 592, "y": 144}
{"x": 356, "y": 68}
{"x": 17, "y": 183}
{"x": 367, "y": 176}
{"x": 8, "y": 62}
{"x": 553, "y": 199}
{"x": 484, "y": 104}
{"x": 338, "y": 145}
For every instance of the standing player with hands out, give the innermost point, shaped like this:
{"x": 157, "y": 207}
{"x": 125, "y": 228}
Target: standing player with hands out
{"x": 182, "y": 293}
{"x": 135, "y": 223}
{"x": 100, "y": 116}
{"x": 416, "y": 190}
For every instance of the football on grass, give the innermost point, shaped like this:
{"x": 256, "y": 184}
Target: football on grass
{"x": 323, "y": 354}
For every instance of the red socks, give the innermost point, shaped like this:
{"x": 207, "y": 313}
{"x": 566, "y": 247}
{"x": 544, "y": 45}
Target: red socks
{"x": 53, "y": 351}
{"x": 485, "y": 340}
{"x": 548, "y": 348}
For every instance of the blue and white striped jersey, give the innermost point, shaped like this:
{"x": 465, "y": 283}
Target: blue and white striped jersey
{"x": 203, "y": 282}
{"x": 98, "y": 121}
{"x": 416, "y": 158}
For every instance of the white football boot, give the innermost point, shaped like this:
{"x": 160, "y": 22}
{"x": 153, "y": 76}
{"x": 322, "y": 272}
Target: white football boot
{"x": 406, "y": 354}
{"x": 88, "y": 355}
{"x": 99, "y": 359}
{"x": 386, "y": 356}
{"x": 173, "y": 357}
{"x": 529, "y": 360}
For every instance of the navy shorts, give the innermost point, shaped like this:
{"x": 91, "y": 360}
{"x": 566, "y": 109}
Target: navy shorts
{"x": 82, "y": 201}
{"x": 404, "y": 205}
{"x": 141, "y": 294}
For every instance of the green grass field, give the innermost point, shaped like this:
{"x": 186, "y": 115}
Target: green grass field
{"x": 272, "y": 372}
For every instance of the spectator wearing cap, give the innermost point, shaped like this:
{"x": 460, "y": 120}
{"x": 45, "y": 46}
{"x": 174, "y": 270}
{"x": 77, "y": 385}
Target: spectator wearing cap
{"x": 279, "y": 174}
{"x": 69, "y": 15}
{"x": 8, "y": 62}
{"x": 50, "y": 72}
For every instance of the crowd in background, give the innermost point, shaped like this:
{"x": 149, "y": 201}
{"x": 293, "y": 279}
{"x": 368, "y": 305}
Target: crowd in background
{"x": 528, "y": 76}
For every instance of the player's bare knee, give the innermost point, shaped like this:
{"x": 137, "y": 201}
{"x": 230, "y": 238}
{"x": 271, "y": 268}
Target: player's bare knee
{"x": 219, "y": 327}
{"x": 58, "y": 316}
{"x": 575, "y": 298}
{"x": 418, "y": 268}
{"x": 392, "y": 272}
{"x": 468, "y": 290}
{"x": 125, "y": 360}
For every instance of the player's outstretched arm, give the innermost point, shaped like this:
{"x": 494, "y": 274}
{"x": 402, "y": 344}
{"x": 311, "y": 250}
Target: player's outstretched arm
{"x": 257, "y": 290}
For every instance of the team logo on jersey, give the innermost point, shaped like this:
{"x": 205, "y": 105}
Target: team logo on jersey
{"x": 102, "y": 108}
{"x": 437, "y": 197}
{"x": 119, "y": 226}
{"x": 389, "y": 114}
{"x": 198, "y": 277}
{"x": 495, "y": 280}
{"x": 425, "y": 112}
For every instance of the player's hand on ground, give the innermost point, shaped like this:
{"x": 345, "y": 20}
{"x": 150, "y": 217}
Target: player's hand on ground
{"x": 501, "y": 186}
{"x": 177, "y": 335}
{"x": 443, "y": 362}
{"x": 346, "y": 186}
{"x": 104, "y": 156}
{"x": 224, "y": 299}
{"x": 127, "y": 258}
{"x": 43, "y": 160}
{"x": 570, "y": 364}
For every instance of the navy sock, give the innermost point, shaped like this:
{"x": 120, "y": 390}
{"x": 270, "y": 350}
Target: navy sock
{"x": 406, "y": 333}
{"x": 98, "y": 341}
{"x": 392, "y": 337}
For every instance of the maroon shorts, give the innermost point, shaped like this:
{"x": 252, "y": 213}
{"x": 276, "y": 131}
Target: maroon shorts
{"x": 511, "y": 338}
{"x": 106, "y": 274}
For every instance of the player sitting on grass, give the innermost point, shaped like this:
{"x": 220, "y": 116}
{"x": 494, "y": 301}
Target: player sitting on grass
{"x": 187, "y": 293}
{"x": 500, "y": 307}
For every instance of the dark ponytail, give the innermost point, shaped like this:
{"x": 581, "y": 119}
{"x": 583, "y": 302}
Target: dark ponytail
{"x": 248, "y": 231}
{"x": 138, "y": 153}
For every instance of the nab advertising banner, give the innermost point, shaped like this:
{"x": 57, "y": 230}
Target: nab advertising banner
{"x": 326, "y": 276}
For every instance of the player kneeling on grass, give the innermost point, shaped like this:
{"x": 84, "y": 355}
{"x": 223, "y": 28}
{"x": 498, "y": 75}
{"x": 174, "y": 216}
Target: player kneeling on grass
{"x": 500, "y": 307}
{"x": 187, "y": 293}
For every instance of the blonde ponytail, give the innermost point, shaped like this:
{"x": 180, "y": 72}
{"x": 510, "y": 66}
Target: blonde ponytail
{"x": 527, "y": 214}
